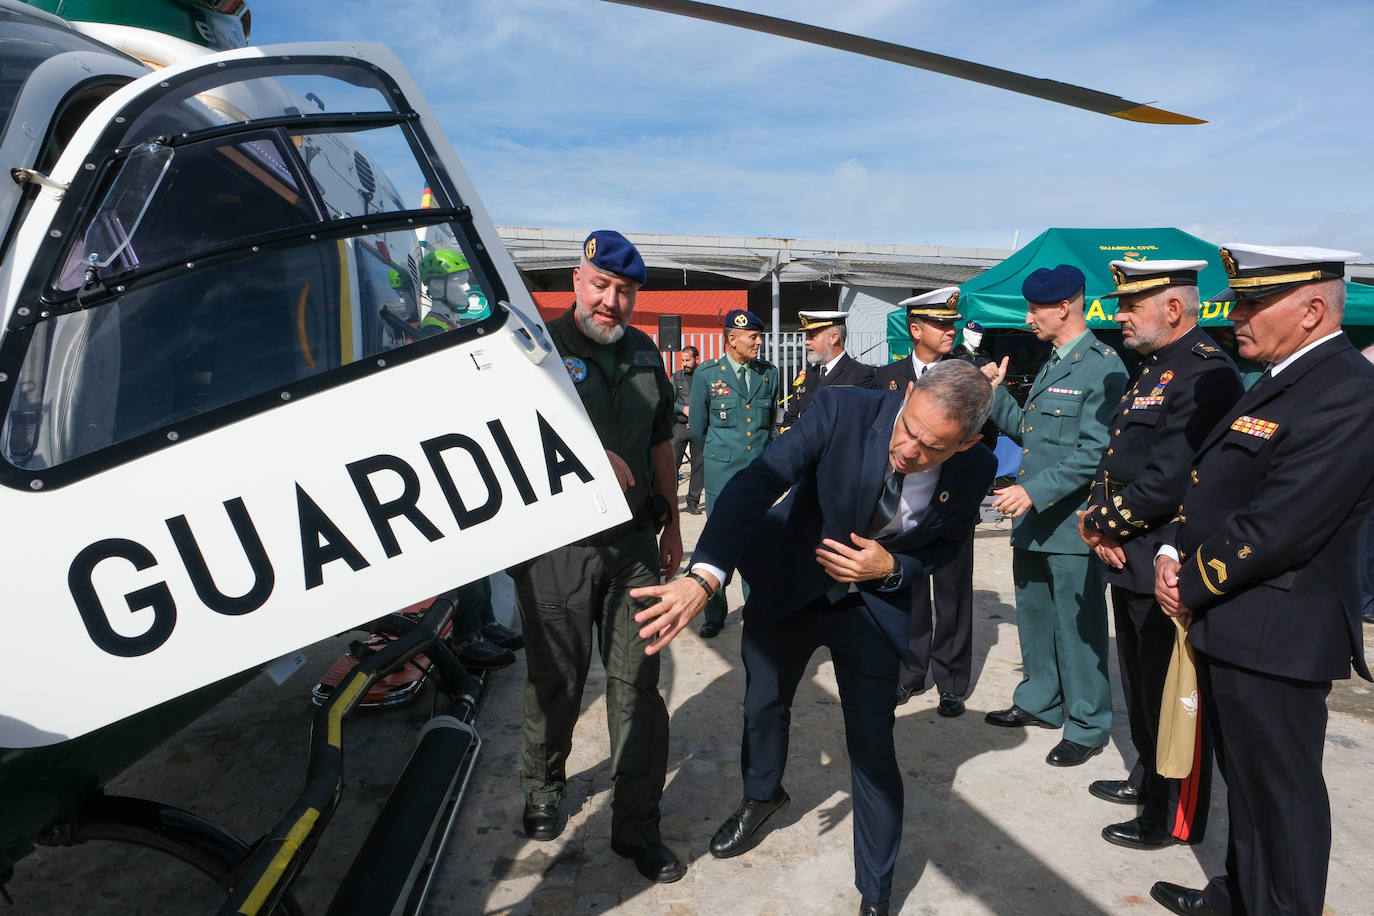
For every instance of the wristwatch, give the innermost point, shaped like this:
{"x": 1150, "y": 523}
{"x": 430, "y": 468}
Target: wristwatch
{"x": 894, "y": 578}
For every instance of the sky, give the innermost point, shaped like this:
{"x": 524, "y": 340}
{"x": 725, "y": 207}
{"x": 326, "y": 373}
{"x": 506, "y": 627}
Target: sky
{"x": 579, "y": 114}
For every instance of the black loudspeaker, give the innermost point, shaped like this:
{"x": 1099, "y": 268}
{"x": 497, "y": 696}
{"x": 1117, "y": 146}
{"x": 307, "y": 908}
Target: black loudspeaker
{"x": 670, "y": 332}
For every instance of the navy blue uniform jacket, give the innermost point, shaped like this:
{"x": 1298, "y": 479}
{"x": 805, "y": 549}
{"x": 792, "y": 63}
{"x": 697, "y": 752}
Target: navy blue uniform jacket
{"x": 834, "y": 460}
{"x": 1271, "y": 518}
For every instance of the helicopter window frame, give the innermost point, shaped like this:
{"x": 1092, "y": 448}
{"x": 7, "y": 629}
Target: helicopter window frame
{"x": 279, "y": 132}
{"x": 109, "y": 152}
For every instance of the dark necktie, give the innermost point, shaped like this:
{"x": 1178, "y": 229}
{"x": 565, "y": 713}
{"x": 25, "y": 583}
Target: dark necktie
{"x": 824, "y": 370}
{"x": 1050, "y": 364}
{"x": 888, "y": 502}
{"x": 743, "y": 378}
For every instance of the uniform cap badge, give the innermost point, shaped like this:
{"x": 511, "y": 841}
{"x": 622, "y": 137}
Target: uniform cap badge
{"x": 1228, "y": 261}
{"x": 741, "y": 321}
{"x": 892, "y": 385}
{"x": 1245, "y": 551}
{"x": 590, "y": 250}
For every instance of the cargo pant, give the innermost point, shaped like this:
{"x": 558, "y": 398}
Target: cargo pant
{"x": 572, "y": 600}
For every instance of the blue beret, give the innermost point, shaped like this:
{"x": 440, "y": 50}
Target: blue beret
{"x": 1051, "y": 284}
{"x": 608, "y": 250}
{"x": 742, "y": 320}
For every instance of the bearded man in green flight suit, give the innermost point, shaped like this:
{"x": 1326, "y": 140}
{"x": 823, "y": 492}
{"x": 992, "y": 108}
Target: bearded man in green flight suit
{"x": 732, "y": 404}
{"x": 1061, "y": 606}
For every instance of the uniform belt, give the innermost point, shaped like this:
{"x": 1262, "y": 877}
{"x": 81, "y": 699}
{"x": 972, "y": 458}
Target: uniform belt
{"x": 619, "y": 532}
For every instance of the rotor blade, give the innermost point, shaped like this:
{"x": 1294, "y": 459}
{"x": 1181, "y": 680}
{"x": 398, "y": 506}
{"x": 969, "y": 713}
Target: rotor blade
{"x": 1050, "y": 90}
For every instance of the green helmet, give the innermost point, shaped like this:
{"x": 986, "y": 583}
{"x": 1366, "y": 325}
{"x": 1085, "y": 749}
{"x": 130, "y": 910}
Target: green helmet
{"x": 441, "y": 263}
{"x": 397, "y": 279}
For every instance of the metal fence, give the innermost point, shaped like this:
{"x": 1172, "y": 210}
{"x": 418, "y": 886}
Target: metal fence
{"x": 791, "y": 353}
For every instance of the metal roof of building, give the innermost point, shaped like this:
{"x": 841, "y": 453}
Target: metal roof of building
{"x": 753, "y": 258}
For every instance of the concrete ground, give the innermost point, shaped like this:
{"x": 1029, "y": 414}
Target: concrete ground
{"x": 990, "y": 828}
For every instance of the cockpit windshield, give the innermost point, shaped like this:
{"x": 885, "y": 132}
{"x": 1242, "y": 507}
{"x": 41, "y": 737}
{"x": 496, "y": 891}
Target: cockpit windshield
{"x": 250, "y": 228}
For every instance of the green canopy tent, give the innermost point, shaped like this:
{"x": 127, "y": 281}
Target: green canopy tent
{"x": 1359, "y": 311}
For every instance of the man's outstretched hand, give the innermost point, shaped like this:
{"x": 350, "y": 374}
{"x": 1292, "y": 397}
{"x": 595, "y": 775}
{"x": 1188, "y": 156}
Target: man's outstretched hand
{"x": 678, "y": 602}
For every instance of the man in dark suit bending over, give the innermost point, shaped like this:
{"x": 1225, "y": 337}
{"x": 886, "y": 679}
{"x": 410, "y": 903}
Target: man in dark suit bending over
{"x": 883, "y": 490}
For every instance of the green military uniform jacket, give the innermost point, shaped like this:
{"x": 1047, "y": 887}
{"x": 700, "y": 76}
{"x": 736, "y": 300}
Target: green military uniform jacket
{"x": 731, "y": 426}
{"x": 1062, "y": 431}
{"x": 632, "y": 411}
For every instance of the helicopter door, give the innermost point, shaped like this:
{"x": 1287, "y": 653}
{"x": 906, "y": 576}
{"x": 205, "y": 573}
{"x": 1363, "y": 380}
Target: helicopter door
{"x": 237, "y": 420}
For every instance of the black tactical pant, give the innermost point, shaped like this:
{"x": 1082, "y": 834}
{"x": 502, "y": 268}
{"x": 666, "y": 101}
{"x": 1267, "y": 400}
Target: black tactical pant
{"x": 567, "y": 597}
{"x": 683, "y": 445}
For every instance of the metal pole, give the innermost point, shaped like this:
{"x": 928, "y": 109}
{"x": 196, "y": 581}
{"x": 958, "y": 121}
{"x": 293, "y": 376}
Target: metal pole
{"x": 777, "y": 312}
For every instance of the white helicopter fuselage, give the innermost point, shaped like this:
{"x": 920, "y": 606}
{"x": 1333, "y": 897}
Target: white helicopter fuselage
{"x": 216, "y": 449}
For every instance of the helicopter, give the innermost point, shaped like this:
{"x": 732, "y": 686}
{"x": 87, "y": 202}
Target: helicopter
{"x": 210, "y": 444}
{"x": 210, "y": 455}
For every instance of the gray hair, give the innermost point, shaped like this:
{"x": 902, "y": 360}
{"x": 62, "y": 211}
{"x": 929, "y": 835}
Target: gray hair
{"x": 962, "y": 391}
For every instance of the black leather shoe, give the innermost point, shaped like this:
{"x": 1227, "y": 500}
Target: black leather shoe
{"x": 951, "y": 705}
{"x": 1070, "y": 754}
{"x": 542, "y": 822}
{"x": 478, "y": 653}
{"x": 740, "y": 832}
{"x": 1138, "y": 834}
{"x": 870, "y": 908}
{"x": 1181, "y": 900}
{"x": 1115, "y": 790}
{"x": 906, "y": 692}
{"x": 692, "y": 510}
{"x": 1016, "y": 717}
{"x": 503, "y": 636}
{"x": 656, "y": 862}
{"x": 710, "y": 630}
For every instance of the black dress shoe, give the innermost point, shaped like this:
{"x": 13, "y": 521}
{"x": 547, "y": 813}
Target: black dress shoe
{"x": 1115, "y": 790}
{"x": 542, "y": 822}
{"x": 740, "y": 832}
{"x": 692, "y": 510}
{"x": 1138, "y": 834}
{"x": 1070, "y": 754}
{"x": 656, "y": 862}
{"x": 870, "y": 908}
{"x": 951, "y": 705}
{"x": 503, "y": 636}
{"x": 906, "y": 692}
{"x": 1016, "y": 717}
{"x": 1181, "y": 900}
{"x": 477, "y": 653}
{"x": 710, "y": 630}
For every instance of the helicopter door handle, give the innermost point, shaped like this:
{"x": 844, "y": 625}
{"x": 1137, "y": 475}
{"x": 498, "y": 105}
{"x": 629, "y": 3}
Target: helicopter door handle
{"x": 530, "y": 335}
